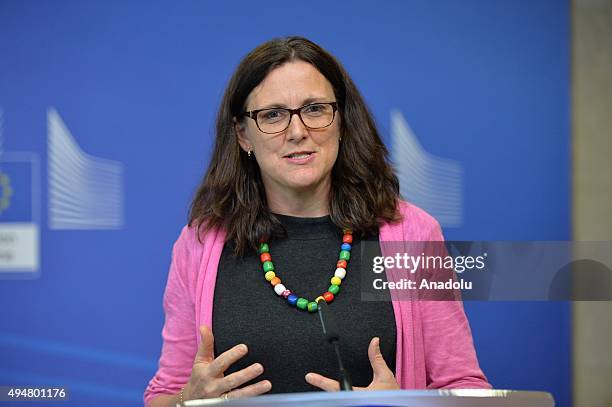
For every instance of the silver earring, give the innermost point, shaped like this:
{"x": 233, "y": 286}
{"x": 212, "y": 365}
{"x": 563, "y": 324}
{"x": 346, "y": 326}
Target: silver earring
{"x": 249, "y": 153}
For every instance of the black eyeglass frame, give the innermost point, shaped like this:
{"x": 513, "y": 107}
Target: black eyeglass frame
{"x": 252, "y": 114}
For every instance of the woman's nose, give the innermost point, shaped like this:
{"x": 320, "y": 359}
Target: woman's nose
{"x": 296, "y": 130}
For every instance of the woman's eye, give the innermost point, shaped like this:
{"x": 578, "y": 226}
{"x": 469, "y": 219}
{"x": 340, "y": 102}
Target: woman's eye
{"x": 314, "y": 109}
{"x": 272, "y": 114}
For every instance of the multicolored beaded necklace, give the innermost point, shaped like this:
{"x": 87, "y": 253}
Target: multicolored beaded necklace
{"x": 293, "y": 299}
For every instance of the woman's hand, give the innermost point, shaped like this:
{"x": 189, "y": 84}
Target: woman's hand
{"x": 207, "y": 378}
{"x": 383, "y": 376}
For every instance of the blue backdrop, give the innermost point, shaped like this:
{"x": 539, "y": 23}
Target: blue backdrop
{"x": 482, "y": 83}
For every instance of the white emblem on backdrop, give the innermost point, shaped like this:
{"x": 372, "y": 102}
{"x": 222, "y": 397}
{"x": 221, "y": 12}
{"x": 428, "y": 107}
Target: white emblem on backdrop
{"x": 85, "y": 192}
{"x": 1, "y": 134}
{"x": 19, "y": 217}
{"x": 432, "y": 183}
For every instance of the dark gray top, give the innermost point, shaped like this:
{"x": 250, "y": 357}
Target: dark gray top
{"x": 287, "y": 341}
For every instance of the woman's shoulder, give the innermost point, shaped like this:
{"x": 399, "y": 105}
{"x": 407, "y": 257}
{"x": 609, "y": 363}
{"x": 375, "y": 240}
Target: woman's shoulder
{"x": 414, "y": 214}
{"x": 415, "y": 224}
{"x": 194, "y": 239}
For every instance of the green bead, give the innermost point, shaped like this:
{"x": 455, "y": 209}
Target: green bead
{"x": 345, "y": 255}
{"x": 334, "y": 289}
{"x": 302, "y": 303}
{"x": 312, "y": 307}
{"x": 268, "y": 266}
{"x": 263, "y": 248}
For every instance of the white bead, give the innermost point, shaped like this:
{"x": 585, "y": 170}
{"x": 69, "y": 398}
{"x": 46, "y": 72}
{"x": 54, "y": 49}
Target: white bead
{"x": 340, "y": 273}
{"x": 279, "y": 288}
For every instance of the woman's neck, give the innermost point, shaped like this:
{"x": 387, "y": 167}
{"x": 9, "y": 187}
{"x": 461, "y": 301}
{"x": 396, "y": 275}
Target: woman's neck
{"x": 308, "y": 202}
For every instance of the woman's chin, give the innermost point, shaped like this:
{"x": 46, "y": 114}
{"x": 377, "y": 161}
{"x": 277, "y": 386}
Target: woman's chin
{"x": 302, "y": 183}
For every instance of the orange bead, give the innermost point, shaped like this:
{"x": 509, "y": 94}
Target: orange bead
{"x": 265, "y": 257}
{"x": 347, "y": 239}
{"x": 275, "y": 281}
{"x": 341, "y": 264}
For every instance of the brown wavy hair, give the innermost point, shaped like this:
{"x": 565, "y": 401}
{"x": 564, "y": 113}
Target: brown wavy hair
{"x": 364, "y": 188}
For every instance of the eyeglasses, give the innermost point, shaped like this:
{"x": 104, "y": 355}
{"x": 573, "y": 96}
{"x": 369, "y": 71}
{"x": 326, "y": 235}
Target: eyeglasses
{"x": 275, "y": 120}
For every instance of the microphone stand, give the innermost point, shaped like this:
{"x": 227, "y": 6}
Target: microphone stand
{"x": 333, "y": 338}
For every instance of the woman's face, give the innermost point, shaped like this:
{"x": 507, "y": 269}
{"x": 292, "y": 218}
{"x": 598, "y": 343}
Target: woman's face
{"x": 292, "y": 85}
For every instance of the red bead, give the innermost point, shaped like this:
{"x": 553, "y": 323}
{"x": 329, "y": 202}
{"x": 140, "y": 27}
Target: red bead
{"x": 328, "y": 297}
{"x": 275, "y": 281}
{"x": 347, "y": 239}
{"x": 265, "y": 257}
{"x": 341, "y": 264}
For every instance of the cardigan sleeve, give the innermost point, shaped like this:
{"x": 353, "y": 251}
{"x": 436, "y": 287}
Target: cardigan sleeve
{"x": 179, "y": 333}
{"x": 450, "y": 357}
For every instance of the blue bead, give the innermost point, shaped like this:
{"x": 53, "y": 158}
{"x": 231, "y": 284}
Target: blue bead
{"x": 345, "y": 246}
{"x": 292, "y": 299}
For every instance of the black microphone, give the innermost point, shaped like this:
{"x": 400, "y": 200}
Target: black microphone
{"x": 330, "y": 330}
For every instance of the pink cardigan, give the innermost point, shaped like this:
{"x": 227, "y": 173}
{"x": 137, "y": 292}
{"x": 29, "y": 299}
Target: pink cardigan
{"x": 434, "y": 342}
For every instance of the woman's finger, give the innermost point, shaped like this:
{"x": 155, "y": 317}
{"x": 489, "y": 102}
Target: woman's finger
{"x": 227, "y": 358}
{"x": 322, "y": 382}
{"x": 255, "y": 389}
{"x": 383, "y": 376}
{"x": 205, "y": 352}
{"x": 237, "y": 379}
{"x": 379, "y": 366}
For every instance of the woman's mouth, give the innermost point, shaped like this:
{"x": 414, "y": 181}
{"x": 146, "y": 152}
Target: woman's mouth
{"x": 300, "y": 157}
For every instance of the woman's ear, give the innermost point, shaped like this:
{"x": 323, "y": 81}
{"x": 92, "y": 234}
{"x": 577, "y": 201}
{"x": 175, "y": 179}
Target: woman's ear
{"x": 241, "y": 135}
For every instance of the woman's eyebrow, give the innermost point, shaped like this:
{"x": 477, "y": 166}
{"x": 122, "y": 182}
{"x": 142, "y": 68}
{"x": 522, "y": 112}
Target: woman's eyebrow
{"x": 306, "y": 101}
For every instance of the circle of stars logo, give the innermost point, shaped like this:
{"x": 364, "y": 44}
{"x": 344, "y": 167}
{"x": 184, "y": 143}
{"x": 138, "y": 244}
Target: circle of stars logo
{"x": 6, "y": 191}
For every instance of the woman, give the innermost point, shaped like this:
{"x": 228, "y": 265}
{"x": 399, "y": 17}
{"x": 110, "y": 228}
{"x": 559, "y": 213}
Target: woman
{"x": 298, "y": 174}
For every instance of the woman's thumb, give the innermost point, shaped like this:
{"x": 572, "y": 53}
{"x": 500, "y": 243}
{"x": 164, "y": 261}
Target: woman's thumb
{"x": 379, "y": 366}
{"x": 206, "y": 350}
